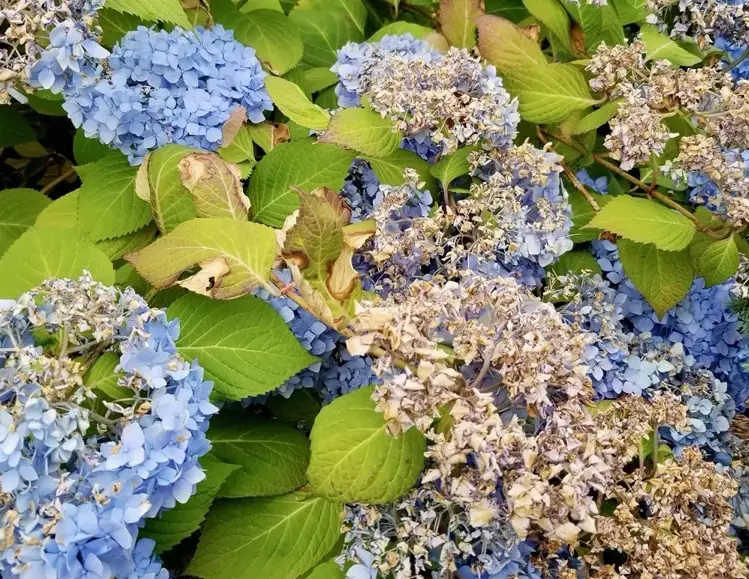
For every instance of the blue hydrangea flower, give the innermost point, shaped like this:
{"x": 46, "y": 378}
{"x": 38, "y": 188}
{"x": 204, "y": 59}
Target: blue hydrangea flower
{"x": 80, "y": 494}
{"x": 734, "y": 51}
{"x": 177, "y": 87}
{"x": 703, "y": 324}
{"x": 711, "y": 410}
{"x": 354, "y": 58}
{"x": 337, "y": 372}
{"x": 537, "y": 225}
{"x": 72, "y": 54}
{"x": 362, "y": 192}
{"x": 599, "y": 184}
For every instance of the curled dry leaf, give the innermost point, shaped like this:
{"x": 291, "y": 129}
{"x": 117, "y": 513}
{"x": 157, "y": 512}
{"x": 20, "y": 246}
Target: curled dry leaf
{"x": 342, "y": 278}
{"x": 208, "y": 278}
{"x": 237, "y": 117}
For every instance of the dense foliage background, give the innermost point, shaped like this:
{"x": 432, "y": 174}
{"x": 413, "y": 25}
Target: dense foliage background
{"x": 373, "y": 289}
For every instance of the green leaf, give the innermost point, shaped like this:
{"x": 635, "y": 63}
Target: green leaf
{"x": 20, "y": 209}
{"x": 115, "y": 25}
{"x": 213, "y": 239}
{"x": 244, "y": 346}
{"x": 171, "y": 202}
{"x": 457, "y": 21}
{"x": 645, "y": 221}
{"x": 512, "y": 10}
{"x": 575, "y": 262}
{"x": 273, "y": 538}
{"x": 718, "y": 261}
{"x": 176, "y": 524}
{"x": 107, "y": 204}
{"x": 251, "y": 5}
{"x": 400, "y": 27}
{"x": 317, "y": 79}
{"x": 87, "y": 150}
{"x": 40, "y": 254}
{"x": 582, "y": 213}
{"x": 549, "y": 93}
{"x": 354, "y": 457}
{"x": 323, "y": 33}
{"x": 215, "y": 185}
{"x": 662, "y": 277}
{"x": 153, "y": 10}
{"x": 506, "y": 46}
{"x": 326, "y": 570}
{"x": 630, "y": 11}
{"x": 47, "y": 103}
{"x": 272, "y": 34}
{"x": 304, "y": 164}
{"x": 301, "y": 406}
{"x": 102, "y": 378}
{"x": 272, "y": 456}
{"x": 14, "y": 128}
{"x": 453, "y": 166}
{"x": 553, "y": 15}
{"x": 658, "y": 46}
{"x": 390, "y": 170}
{"x": 116, "y": 247}
{"x": 611, "y": 31}
{"x": 596, "y": 119}
{"x": 292, "y": 102}
{"x": 62, "y": 212}
{"x": 364, "y": 131}
{"x": 353, "y": 11}
{"x": 241, "y": 149}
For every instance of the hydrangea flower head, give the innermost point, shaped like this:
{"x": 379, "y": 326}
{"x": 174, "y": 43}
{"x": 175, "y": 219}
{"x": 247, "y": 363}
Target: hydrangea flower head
{"x": 354, "y": 60}
{"x": 451, "y": 99}
{"x": 170, "y": 87}
{"x": 78, "y": 483}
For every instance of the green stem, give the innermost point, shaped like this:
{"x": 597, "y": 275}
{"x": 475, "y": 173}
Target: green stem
{"x": 62, "y": 177}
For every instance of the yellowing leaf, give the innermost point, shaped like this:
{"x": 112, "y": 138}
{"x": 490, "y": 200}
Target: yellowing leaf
{"x": 549, "y": 93}
{"x": 457, "y": 21}
{"x": 249, "y": 249}
{"x": 316, "y": 239}
{"x": 292, "y": 102}
{"x": 171, "y": 202}
{"x": 506, "y": 46}
{"x": 215, "y": 185}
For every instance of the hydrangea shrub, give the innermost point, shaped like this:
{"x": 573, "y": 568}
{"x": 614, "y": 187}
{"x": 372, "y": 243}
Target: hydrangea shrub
{"x": 435, "y": 289}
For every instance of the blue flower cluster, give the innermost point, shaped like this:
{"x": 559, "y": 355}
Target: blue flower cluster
{"x": 537, "y": 223}
{"x": 337, "y": 372}
{"x": 74, "y": 496}
{"x": 354, "y": 59}
{"x": 363, "y": 194}
{"x": 599, "y": 184}
{"x": 71, "y": 58}
{"x": 505, "y": 562}
{"x": 636, "y": 350}
{"x": 710, "y": 409}
{"x": 160, "y": 87}
{"x": 734, "y": 52}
